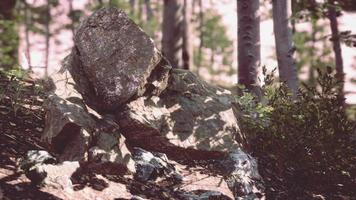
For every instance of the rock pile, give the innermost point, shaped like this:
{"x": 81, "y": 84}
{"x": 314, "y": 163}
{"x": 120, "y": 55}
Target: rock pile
{"x": 139, "y": 113}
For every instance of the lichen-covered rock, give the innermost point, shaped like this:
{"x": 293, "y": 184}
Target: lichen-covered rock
{"x": 73, "y": 132}
{"x": 150, "y": 166}
{"x": 41, "y": 168}
{"x": 203, "y": 195}
{"x": 114, "y": 61}
{"x": 35, "y": 157}
{"x": 68, "y": 128}
{"x": 191, "y": 117}
{"x": 241, "y": 174}
{"x": 111, "y": 148}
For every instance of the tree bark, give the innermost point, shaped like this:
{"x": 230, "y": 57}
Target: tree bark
{"x": 71, "y": 12}
{"x": 47, "y": 29}
{"x": 187, "y": 50}
{"x": 332, "y": 15}
{"x": 172, "y": 32}
{"x": 28, "y": 23}
{"x": 248, "y": 35}
{"x": 149, "y": 11}
{"x": 284, "y": 44}
{"x": 132, "y": 7}
{"x": 201, "y": 44}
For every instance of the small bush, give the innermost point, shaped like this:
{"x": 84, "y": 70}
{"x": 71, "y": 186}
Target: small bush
{"x": 302, "y": 144}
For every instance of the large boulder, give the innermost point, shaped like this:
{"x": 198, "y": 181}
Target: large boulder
{"x": 113, "y": 61}
{"x": 190, "y": 117}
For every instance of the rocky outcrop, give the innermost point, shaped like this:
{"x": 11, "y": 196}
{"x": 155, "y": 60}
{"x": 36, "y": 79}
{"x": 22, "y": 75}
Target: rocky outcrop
{"x": 77, "y": 135}
{"x": 114, "y": 61}
{"x": 145, "y": 107}
{"x": 190, "y": 117}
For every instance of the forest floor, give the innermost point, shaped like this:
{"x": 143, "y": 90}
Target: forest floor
{"x": 21, "y": 126}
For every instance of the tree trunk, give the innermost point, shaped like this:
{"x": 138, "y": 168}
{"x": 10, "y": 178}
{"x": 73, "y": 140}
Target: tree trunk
{"x": 48, "y": 18}
{"x": 28, "y": 23}
{"x": 149, "y": 11}
{"x": 332, "y": 15}
{"x": 71, "y": 12}
{"x": 201, "y": 44}
{"x": 140, "y": 13}
{"x": 284, "y": 45}
{"x": 101, "y": 4}
{"x": 249, "y": 54}
{"x": 132, "y": 7}
{"x": 313, "y": 64}
{"x": 172, "y": 32}
{"x": 187, "y": 49}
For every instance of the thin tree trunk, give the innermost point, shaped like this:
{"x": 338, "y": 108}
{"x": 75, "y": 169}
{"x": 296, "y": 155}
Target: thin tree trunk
{"x": 193, "y": 7}
{"x": 132, "y": 7}
{"x": 284, "y": 45}
{"x": 140, "y": 12}
{"x": 249, "y": 54}
{"x": 336, "y": 45}
{"x": 201, "y": 36}
{"x": 172, "y": 32}
{"x": 313, "y": 63}
{"x": 27, "y": 34}
{"x": 149, "y": 11}
{"x": 101, "y": 3}
{"x": 48, "y": 18}
{"x": 294, "y": 11}
{"x": 71, "y": 12}
{"x": 187, "y": 50}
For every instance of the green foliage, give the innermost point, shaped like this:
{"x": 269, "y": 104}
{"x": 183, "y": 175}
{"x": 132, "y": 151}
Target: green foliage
{"x": 306, "y": 142}
{"x": 13, "y": 90}
{"x": 18, "y": 93}
{"x": 9, "y": 42}
{"x": 214, "y": 33}
{"x": 149, "y": 26}
{"x": 216, "y": 39}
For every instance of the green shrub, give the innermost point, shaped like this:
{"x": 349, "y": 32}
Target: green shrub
{"x": 305, "y": 142}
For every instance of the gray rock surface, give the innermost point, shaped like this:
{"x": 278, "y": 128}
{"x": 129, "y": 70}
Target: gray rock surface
{"x": 35, "y": 157}
{"x": 114, "y": 61}
{"x": 73, "y": 132}
{"x": 41, "y": 168}
{"x": 112, "y": 148}
{"x": 150, "y": 166}
{"x": 190, "y": 116}
{"x": 56, "y": 176}
{"x": 68, "y": 128}
{"x": 203, "y": 195}
{"x": 242, "y": 176}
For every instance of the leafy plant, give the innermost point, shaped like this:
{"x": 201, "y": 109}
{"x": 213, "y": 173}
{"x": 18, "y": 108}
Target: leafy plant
{"x": 305, "y": 143}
